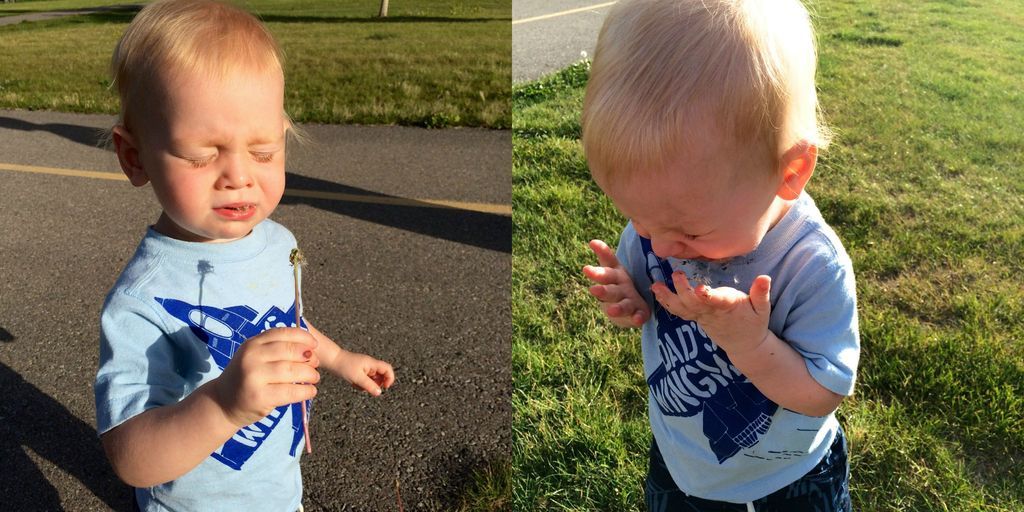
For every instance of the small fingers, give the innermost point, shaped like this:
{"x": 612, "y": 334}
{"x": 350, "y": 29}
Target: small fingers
{"x": 605, "y": 254}
{"x": 691, "y": 299}
{"x": 684, "y": 302}
{"x": 384, "y": 376}
{"x": 722, "y": 298}
{"x": 290, "y": 393}
{"x": 623, "y": 308}
{"x": 639, "y": 316}
{"x": 607, "y": 293}
{"x": 291, "y": 351}
{"x": 668, "y": 300}
{"x": 382, "y": 380}
{"x": 760, "y": 295}
{"x": 368, "y": 384}
{"x": 281, "y": 372}
{"x": 603, "y": 275}
{"x": 381, "y": 373}
{"x": 289, "y": 334}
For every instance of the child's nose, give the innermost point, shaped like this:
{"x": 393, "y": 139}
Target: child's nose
{"x": 235, "y": 173}
{"x": 665, "y": 248}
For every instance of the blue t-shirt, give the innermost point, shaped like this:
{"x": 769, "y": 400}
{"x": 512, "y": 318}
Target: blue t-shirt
{"x": 721, "y": 438}
{"x": 171, "y": 323}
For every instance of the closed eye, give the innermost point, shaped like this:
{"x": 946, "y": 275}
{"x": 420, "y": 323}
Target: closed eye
{"x": 261, "y": 157}
{"x": 199, "y": 162}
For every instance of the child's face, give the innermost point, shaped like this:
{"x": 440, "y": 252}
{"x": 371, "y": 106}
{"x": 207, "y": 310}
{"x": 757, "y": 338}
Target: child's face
{"x": 711, "y": 204}
{"x": 214, "y": 151}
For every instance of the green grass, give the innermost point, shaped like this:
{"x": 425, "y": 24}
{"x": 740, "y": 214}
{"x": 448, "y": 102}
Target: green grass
{"x": 924, "y": 185}
{"x": 430, "y": 63}
{"x": 490, "y": 489}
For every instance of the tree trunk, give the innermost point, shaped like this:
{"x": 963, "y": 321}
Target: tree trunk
{"x": 383, "y": 9}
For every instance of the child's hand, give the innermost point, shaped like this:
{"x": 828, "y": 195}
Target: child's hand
{"x": 619, "y": 298}
{"x": 735, "y": 321}
{"x": 364, "y": 372}
{"x": 271, "y": 369}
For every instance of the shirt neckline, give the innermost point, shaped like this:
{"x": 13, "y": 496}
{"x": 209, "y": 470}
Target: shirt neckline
{"x": 242, "y": 249}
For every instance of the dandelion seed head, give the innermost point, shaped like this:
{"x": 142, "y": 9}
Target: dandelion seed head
{"x": 296, "y": 257}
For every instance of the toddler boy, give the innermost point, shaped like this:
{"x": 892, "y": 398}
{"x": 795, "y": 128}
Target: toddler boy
{"x": 700, "y": 123}
{"x": 203, "y": 371}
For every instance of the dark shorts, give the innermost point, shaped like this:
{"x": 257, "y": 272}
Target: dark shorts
{"x": 825, "y": 488}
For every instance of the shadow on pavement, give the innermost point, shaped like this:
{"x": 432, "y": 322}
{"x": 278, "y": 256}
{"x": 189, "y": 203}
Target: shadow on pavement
{"x": 32, "y": 421}
{"x": 86, "y": 135}
{"x": 484, "y": 230}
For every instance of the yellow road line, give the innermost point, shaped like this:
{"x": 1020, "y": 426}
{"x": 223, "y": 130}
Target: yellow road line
{"x": 563, "y": 13}
{"x": 64, "y": 172}
{"x": 499, "y": 209}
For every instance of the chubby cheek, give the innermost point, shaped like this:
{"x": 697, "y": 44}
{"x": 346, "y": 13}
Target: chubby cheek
{"x": 272, "y": 184}
{"x": 749, "y": 241}
{"x": 715, "y": 251}
{"x": 640, "y": 230}
{"x": 724, "y": 248}
{"x": 179, "y": 192}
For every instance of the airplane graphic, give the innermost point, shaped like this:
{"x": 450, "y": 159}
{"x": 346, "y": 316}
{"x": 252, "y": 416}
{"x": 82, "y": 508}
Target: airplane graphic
{"x": 223, "y": 331}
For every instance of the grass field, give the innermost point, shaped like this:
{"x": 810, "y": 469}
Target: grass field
{"x": 924, "y": 185}
{"x": 430, "y": 63}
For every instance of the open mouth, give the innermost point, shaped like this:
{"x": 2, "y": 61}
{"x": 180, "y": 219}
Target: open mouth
{"x": 238, "y": 211}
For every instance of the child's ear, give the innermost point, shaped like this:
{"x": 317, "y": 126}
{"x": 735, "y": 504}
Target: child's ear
{"x": 797, "y": 167}
{"x": 128, "y": 155}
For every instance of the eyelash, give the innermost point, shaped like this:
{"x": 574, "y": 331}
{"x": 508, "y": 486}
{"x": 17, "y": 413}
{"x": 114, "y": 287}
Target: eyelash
{"x": 263, "y": 158}
{"x": 199, "y": 163}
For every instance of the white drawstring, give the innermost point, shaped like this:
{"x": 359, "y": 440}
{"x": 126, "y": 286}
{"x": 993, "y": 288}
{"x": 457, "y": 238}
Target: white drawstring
{"x": 750, "y": 507}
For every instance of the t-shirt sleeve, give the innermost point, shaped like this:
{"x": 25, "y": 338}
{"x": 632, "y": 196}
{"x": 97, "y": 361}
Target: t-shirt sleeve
{"x": 822, "y": 324}
{"x": 137, "y": 362}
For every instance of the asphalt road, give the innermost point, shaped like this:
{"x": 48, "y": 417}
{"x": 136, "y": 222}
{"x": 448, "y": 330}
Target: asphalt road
{"x": 424, "y": 288}
{"x": 47, "y": 15}
{"x": 549, "y": 35}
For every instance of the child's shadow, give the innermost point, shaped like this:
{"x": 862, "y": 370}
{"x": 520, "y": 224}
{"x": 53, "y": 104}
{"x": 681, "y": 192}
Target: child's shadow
{"x": 32, "y": 421}
{"x": 486, "y": 230}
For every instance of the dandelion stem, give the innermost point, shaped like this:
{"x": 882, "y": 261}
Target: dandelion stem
{"x": 297, "y": 260}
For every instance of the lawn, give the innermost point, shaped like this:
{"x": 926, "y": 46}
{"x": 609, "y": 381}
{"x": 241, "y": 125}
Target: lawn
{"x": 430, "y": 63}
{"x": 924, "y": 185}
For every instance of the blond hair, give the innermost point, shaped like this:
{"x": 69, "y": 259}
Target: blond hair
{"x": 173, "y": 38}
{"x": 665, "y": 70}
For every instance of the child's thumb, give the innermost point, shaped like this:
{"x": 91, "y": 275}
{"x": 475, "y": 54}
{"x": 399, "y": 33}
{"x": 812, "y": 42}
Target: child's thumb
{"x": 760, "y": 295}
{"x": 367, "y": 384}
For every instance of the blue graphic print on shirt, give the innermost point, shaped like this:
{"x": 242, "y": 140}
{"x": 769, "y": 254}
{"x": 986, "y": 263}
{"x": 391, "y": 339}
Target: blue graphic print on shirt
{"x": 695, "y": 375}
{"x": 223, "y": 331}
